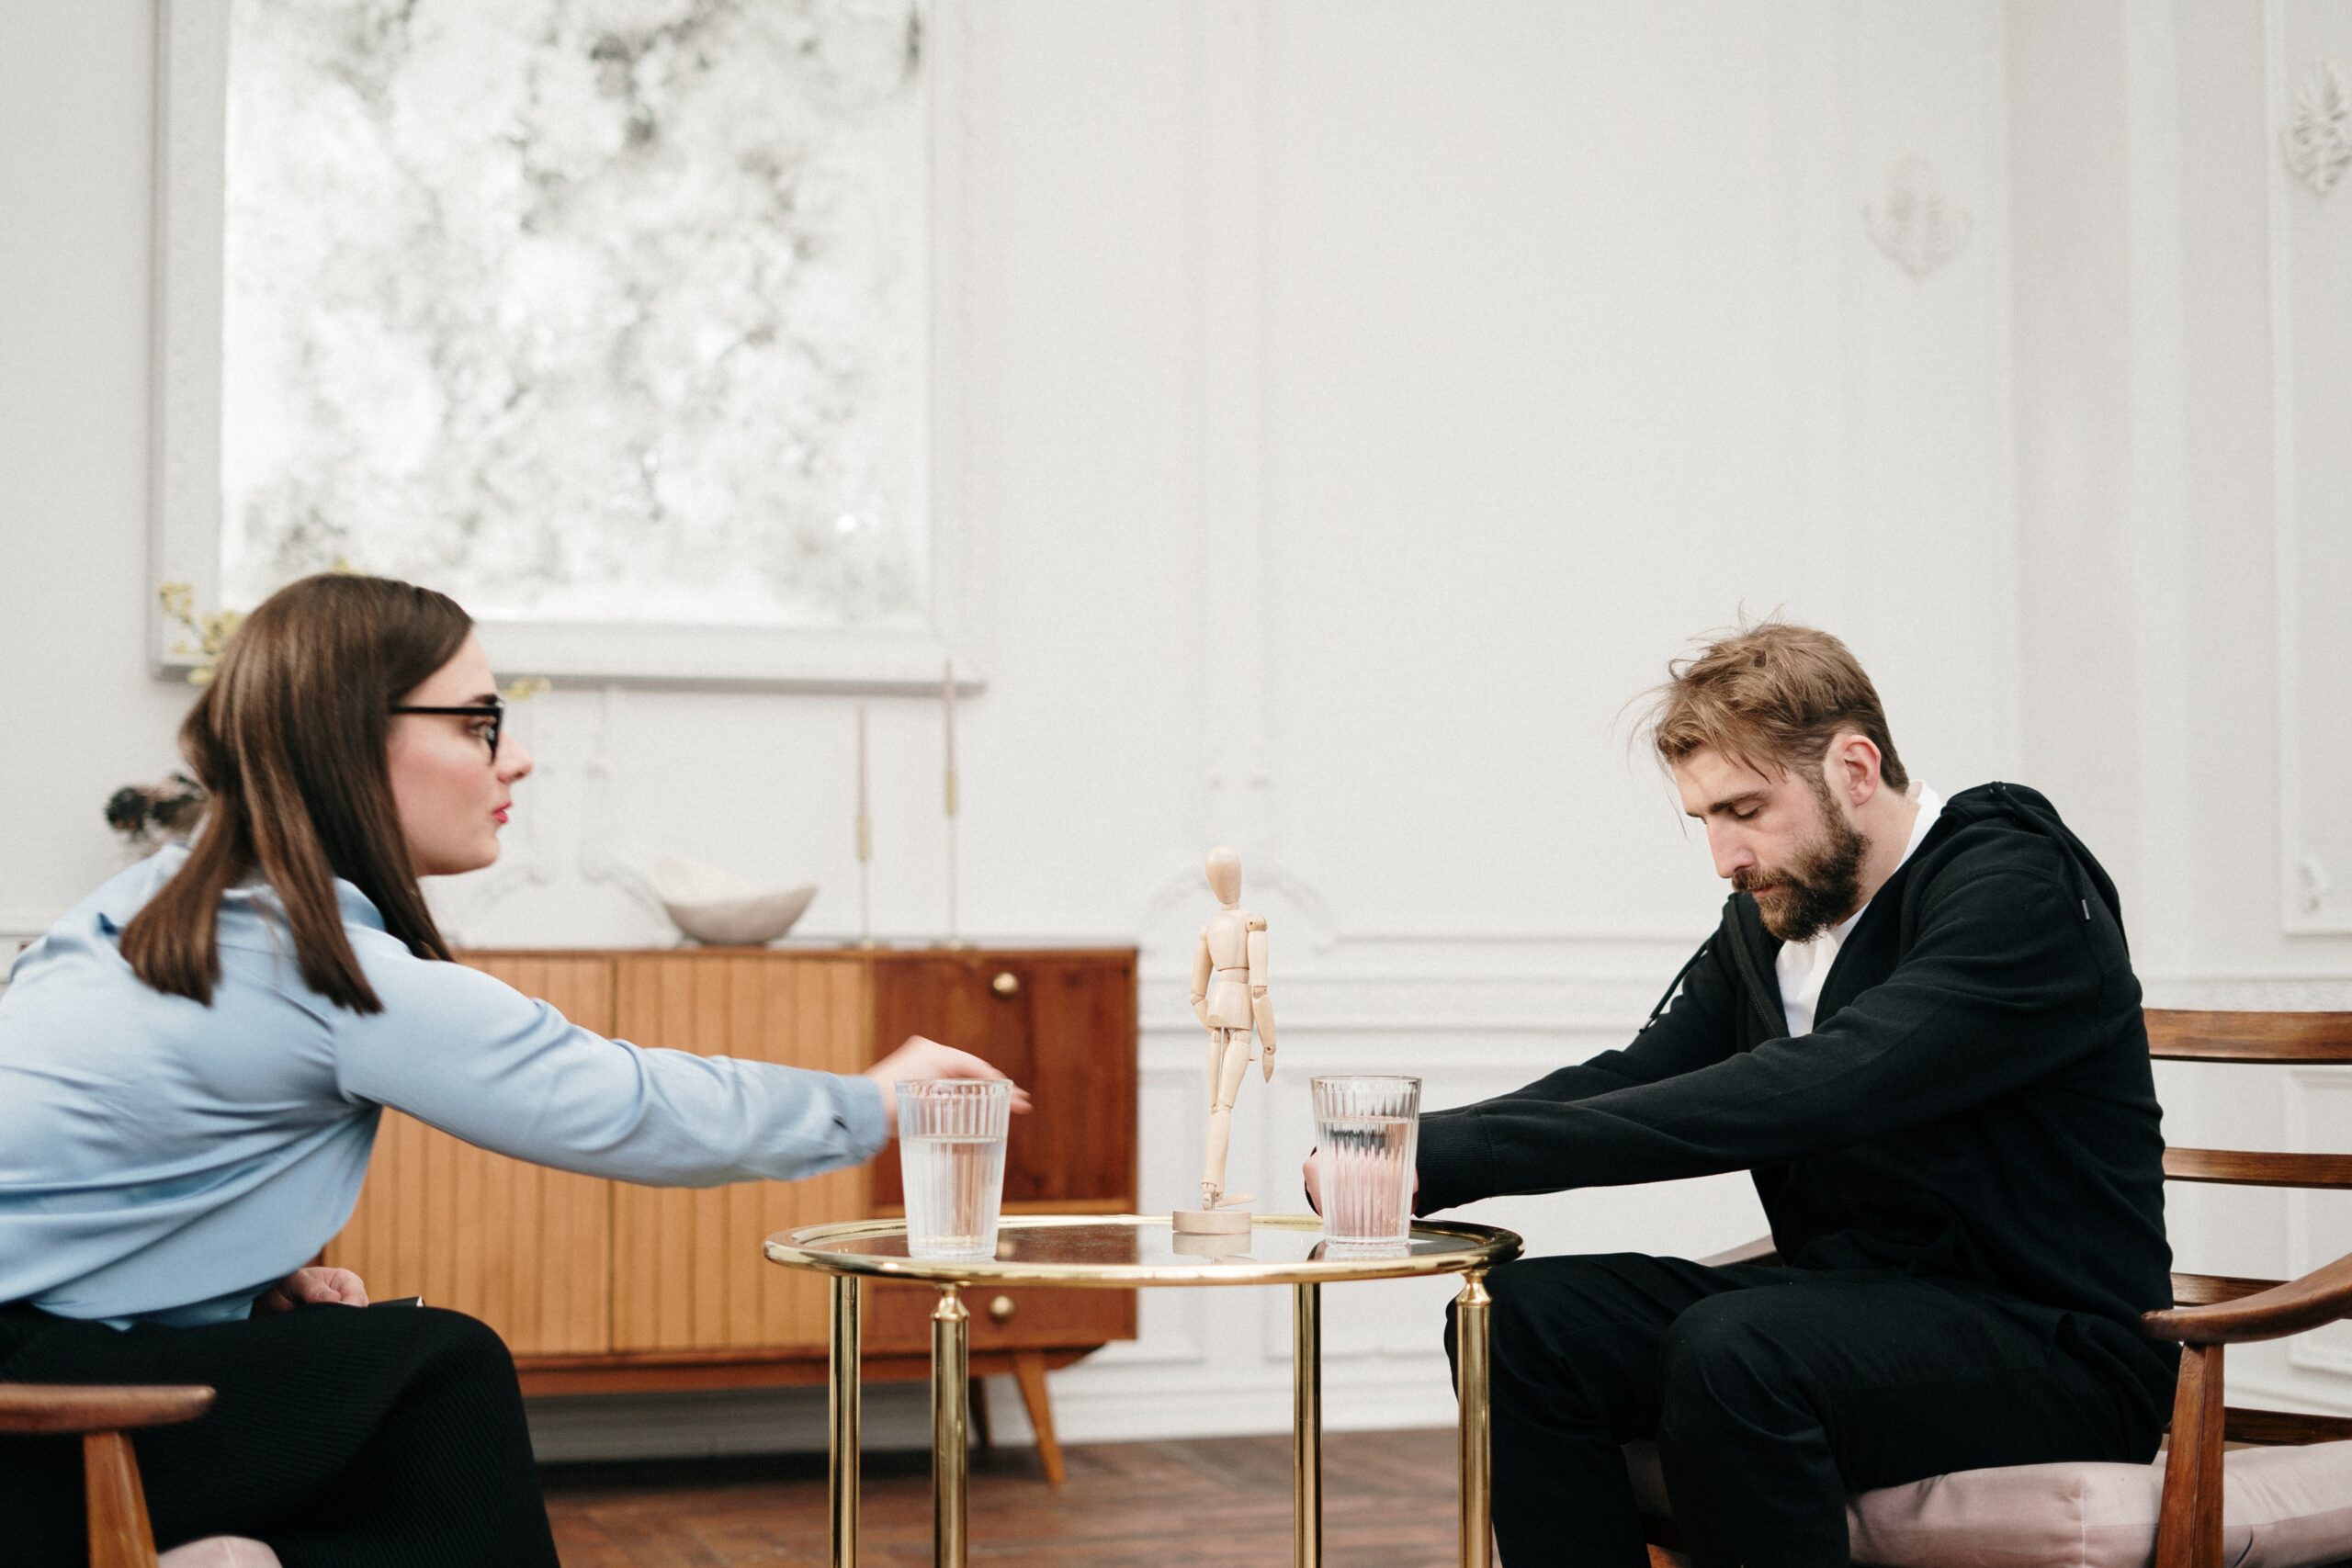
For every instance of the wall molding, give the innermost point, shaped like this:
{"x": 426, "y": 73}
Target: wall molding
{"x": 2310, "y": 903}
{"x": 1409, "y": 1001}
{"x": 2274, "y": 1393}
{"x": 2252, "y": 991}
{"x": 2319, "y": 1106}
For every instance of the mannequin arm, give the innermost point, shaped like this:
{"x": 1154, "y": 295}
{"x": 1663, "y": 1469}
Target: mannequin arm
{"x": 1200, "y": 965}
{"x": 1262, "y": 1006}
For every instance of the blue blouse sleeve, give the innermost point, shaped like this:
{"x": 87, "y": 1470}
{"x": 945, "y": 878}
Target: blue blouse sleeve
{"x": 471, "y": 1055}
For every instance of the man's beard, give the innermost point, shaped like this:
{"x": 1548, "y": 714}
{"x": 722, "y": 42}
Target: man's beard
{"x": 1822, "y": 887}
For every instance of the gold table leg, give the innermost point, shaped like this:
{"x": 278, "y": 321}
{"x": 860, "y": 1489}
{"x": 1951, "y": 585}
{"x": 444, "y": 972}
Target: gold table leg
{"x": 1477, "y": 1450}
{"x": 1307, "y": 1425}
{"x": 950, "y": 1372}
{"x": 843, "y": 1394}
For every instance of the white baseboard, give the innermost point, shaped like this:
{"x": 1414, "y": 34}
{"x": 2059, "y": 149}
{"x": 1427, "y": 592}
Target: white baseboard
{"x": 1358, "y": 1405}
{"x": 720, "y": 1421}
{"x": 1100, "y": 1405}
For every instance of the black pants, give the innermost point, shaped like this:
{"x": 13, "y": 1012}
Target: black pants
{"x": 343, "y": 1436}
{"x": 1772, "y": 1393}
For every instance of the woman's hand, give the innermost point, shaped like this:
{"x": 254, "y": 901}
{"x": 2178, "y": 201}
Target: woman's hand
{"x": 922, "y": 1058}
{"x": 307, "y": 1287}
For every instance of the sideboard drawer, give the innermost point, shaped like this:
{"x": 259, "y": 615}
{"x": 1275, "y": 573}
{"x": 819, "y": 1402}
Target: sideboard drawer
{"x": 1024, "y": 1317}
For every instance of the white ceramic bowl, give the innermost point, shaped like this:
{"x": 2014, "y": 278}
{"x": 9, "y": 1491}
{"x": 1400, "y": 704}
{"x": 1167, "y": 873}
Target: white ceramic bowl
{"x": 723, "y": 909}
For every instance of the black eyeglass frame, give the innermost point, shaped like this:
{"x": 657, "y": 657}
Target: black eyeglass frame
{"x": 493, "y": 711}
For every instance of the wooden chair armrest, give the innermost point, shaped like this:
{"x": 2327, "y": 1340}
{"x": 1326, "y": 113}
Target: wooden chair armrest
{"x": 1761, "y": 1250}
{"x": 2321, "y": 1296}
{"x": 97, "y": 1407}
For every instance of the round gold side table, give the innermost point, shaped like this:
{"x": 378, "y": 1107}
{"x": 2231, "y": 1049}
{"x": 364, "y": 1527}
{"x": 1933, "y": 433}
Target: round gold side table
{"x": 1110, "y": 1251}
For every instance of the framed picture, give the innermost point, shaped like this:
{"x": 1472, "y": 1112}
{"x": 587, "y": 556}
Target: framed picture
{"x": 629, "y": 327}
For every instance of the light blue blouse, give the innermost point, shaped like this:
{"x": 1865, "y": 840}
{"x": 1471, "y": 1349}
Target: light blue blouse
{"x": 164, "y": 1161}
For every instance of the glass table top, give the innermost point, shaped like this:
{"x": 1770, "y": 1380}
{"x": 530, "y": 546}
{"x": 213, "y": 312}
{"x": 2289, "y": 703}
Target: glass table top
{"x": 1140, "y": 1249}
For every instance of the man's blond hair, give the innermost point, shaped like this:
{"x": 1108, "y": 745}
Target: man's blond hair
{"x": 1772, "y": 696}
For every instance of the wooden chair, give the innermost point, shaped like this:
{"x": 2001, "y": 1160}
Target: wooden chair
{"x": 119, "y": 1534}
{"x": 2209, "y": 1312}
{"x": 2213, "y": 1311}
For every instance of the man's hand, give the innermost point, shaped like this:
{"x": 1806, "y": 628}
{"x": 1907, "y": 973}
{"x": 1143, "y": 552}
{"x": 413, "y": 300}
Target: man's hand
{"x": 922, "y": 1058}
{"x": 307, "y": 1287}
{"x": 1312, "y": 1174}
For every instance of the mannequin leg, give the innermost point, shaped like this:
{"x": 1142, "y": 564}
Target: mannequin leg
{"x": 1235, "y": 1065}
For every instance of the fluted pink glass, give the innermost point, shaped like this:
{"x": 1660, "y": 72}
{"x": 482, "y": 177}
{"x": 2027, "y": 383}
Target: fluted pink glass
{"x": 1368, "y": 1129}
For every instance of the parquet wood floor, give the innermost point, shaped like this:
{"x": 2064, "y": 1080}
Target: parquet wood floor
{"x": 1208, "y": 1503}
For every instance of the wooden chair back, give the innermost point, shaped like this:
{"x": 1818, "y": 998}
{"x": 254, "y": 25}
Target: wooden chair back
{"x": 2211, "y": 1311}
{"x": 120, "y": 1536}
{"x": 2275, "y": 1038}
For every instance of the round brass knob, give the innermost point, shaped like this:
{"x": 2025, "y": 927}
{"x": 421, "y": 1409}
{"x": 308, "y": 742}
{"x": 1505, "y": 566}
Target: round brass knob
{"x": 1006, "y": 983}
{"x": 1001, "y": 1309}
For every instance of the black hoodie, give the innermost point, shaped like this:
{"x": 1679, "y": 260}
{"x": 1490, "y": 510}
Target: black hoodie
{"x": 1974, "y": 1102}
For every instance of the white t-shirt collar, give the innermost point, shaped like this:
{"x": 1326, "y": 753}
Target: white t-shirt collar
{"x": 1802, "y": 967}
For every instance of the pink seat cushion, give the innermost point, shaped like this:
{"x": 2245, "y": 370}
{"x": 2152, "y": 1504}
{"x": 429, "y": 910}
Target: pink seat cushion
{"x": 2283, "y": 1507}
{"x": 220, "y": 1552}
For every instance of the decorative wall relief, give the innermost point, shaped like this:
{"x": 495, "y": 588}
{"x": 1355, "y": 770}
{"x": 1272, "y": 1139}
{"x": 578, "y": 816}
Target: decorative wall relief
{"x": 1916, "y": 225}
{"x": 2317, "y": 142}
{"x": 615, "y": 322}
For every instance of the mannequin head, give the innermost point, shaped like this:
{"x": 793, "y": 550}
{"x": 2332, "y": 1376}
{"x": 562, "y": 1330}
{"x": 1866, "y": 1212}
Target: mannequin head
{"x": 1225, "y": 875}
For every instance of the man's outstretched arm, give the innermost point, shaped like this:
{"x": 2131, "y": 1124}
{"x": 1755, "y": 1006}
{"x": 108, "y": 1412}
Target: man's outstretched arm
{"x": 1694, "y": 1031}
{"x": 2003, "y": 988}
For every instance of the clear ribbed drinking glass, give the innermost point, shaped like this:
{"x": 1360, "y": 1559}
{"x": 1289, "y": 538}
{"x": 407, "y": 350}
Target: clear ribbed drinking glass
{"x": 951, "y": 1154}
{"x": 1368, "y": 1128}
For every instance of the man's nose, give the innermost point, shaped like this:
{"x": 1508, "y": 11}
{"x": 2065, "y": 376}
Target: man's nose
{"x": 1731, "y": 852}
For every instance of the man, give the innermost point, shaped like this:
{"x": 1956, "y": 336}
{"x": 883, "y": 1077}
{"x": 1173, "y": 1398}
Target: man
{"x": 1918, "y": 1028}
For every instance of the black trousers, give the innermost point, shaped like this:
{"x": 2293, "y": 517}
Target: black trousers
{"x": 343, "y": 1436}
{"x": 1771, "y": 1392}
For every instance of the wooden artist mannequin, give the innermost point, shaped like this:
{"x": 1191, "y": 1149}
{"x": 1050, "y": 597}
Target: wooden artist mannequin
{"x": 1229, "y": 999}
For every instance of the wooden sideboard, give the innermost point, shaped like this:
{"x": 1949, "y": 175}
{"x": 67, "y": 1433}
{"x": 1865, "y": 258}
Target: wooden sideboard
{"x": 603, "y": 1286}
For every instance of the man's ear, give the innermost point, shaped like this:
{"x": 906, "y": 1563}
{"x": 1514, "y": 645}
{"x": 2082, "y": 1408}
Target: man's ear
{"x": 1854, "y": 768}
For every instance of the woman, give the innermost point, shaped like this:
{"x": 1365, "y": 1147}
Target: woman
{"x": 192, "y": 1066}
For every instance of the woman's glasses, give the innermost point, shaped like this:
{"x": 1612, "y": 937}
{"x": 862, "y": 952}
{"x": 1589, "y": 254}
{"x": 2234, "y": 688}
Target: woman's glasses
{"x": 494, "y": 711}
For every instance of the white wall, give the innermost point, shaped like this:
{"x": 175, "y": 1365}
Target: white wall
{"x": 78, "y": 715}
{"x": 2166, "y": 267}
{"x": 1370, "y": 397}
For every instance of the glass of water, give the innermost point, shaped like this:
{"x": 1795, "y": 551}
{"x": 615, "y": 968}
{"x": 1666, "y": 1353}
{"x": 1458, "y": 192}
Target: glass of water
{"x": 1368, "y": 1128}
{"x": 951, "y": 1154}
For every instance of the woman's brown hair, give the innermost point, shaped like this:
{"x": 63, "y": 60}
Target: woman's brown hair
{"x": 290, "y": 742}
